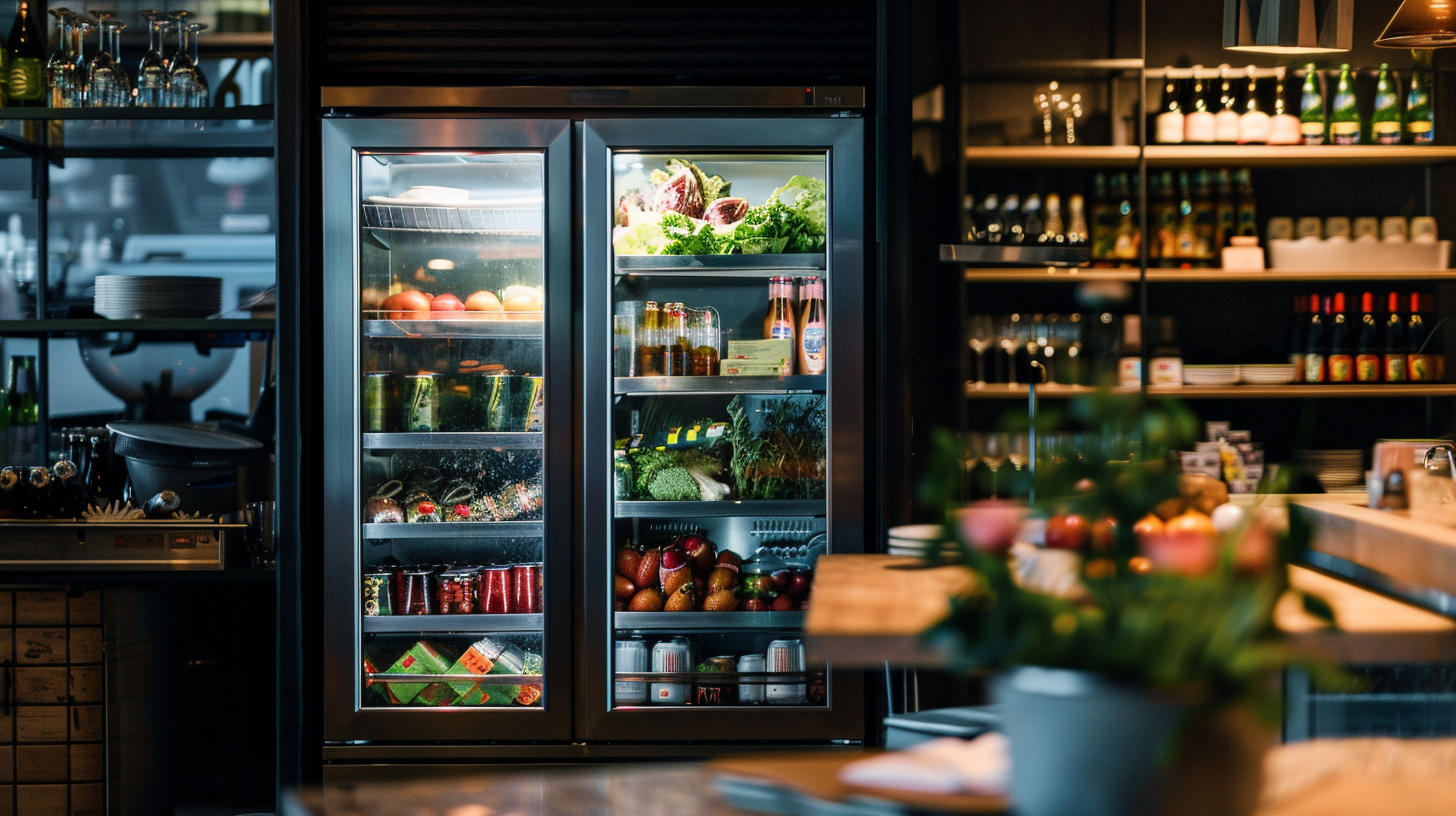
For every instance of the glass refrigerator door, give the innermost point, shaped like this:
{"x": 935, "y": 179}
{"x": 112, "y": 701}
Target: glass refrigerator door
{"x": 451, "y": 483}
{"x": 721, "y": 294}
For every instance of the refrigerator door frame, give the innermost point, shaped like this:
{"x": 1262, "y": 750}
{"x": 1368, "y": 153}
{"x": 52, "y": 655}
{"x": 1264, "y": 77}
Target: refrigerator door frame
{"x": 344, "y": 719}
{"x": 841, "y": 139}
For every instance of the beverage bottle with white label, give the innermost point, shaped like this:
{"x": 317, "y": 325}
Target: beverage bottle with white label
{"x": 813, "y": 348}
{"x": 780, "y": 322}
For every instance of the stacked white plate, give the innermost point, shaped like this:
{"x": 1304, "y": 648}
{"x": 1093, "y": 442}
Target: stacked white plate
{"x": 919, "y": 540}
{"x": 122, "y": 297}
{"x": 1335, "y": 469}
{"x": 1271, "y": 374}
{"x": 1210, "y": 375}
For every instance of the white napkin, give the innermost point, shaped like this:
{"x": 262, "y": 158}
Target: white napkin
{"x": 947, "y": 765}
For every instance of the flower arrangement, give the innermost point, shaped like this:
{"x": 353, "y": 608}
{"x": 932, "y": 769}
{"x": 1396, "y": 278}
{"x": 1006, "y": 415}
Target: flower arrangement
{"x": 1145, "y": 590}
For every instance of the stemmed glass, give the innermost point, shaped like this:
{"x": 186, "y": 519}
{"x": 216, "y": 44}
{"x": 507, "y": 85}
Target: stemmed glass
{"x": 186, "y": 86}
{"x": 994, "y": 449}
{"x": 108, "y": 86}
{"x": 61, "y": 65}
{"x": 152, "y": 72}
{"x": 982, "y": 331}
{"x": 1018, "y": 452}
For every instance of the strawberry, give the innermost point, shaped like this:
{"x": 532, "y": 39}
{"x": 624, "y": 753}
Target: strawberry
{"x": 622, "y": 588}
{"x": 721, "y": 600}
{"x": 783, "y": 603}
{"x": 701, "y": 553}
{"x": 722, "y": 578}
{"x": 647, "y": 569}
{"x": 684, "y": 600}
{"x": 628, "y": 559}
{"x": 729, "y": 559}
{"x": 646, "y": 600}
{"x": 757, "y": 603}
{"x": 673, "y": 580}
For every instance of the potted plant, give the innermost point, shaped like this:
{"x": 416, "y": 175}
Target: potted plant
{"x": 1134, "y": 620}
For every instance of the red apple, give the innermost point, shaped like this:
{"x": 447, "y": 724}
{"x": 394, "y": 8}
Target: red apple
{"x": 446, "y": 306}
{"x": 799, "y": 583}
{"x": 730, "y": 559}
{"x": 1104, "y": 534}
{"x": 757, "y": 605}
{"x": 783, "y": 603}
{"x": 1067, "y": 531}
{"x": 990, "y": 525}
{"x": 673, "y": 557}
{"x": 779, "y": 580}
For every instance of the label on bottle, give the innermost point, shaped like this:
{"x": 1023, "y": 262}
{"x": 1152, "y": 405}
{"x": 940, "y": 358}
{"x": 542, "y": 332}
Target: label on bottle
{"x": 813, "y": 343}
{"x": 1386, "y": 133}
{"x": 1199, "y": 127}
{"x": 1341, "y": 368}
{"x": 1345, "y": 133}
{"x": 1297, "y": 360}
{"x": 781, "y": 330}
{"x": 1420, "y": 368}
{"x": 1314, "y": 368}
{"x": 1395, "y": 368}
{"x": 1165, "y": 371}
{"x": 1367, "y": 368}
{"x": 1169, "y": 128}
{"x": 1421, "y": 132}
{"x": 24, "y": 80}
{"x": 1313, "y": 133}
{"x": 1130, "y": 371}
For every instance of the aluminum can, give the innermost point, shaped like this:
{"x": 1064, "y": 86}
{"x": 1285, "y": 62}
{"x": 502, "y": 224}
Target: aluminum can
{"x": 750, "y": 689}
{"x": 715, "y": 692}
{"x": 785, "y": 656}
{"x": 631, "y": 656}
{"x": 379, "y": 593}
{"x": 380, "y": 402}
{"x": 497, "y": 591}
{"x": 527, "y": 592}
{"x": 417, "y": 592}
{"x": 422, "y": 406}
{"x": 670, "y": 656}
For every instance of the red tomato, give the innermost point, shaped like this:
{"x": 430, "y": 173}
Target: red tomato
{"x": 1067, "y": 531}
{"x": 446, "y": 305}
{"x": 410, "y": 304}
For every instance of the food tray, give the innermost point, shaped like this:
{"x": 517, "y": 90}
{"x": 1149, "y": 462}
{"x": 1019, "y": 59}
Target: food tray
{"x": 452, "y": 219}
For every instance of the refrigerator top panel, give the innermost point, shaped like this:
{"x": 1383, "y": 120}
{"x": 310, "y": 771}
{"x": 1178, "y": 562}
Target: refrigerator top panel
{"x": 823, "y": 97}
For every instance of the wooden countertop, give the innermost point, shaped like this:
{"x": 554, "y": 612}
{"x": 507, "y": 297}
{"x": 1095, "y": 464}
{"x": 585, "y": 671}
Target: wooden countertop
{"x": 869, "y": 609}
{"x": 1390, "y": 542}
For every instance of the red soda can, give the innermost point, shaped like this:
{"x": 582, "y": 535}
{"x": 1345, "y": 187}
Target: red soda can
{"x": 497, "y": 593}
{"x": 417, "y": 590}
{"x": 528, "y": 587}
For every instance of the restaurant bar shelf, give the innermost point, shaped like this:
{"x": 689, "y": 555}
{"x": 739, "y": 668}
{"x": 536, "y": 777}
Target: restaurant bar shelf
{"x": 1274, "y": 156}
{"x": 799, "y": 383}
{"x": 719, "y": 509}
{"x": 456, "y": 530}
{"x": 708, "y": 621}
{"x": 194, "y": 326}
{"x": 1292, "y": 391}
{"x": 1084, "y": 274}
{"x": 461, "y": 440}
{"x": 409, "y": 624}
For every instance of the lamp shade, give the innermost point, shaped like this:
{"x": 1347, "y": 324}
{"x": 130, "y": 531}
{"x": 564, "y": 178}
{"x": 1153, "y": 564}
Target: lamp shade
{"x": 1421, "y": 24}
{"x": 1288, "y": 26}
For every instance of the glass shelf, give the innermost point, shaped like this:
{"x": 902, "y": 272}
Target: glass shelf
{"x": 483, "y": 329}
{"x": 708, "y": 621}
{"x": 1286, "y": 156}
{"x": 456, "y": 529}
{"x": 408, "y": 624}
{"x": 461, "y": 440}
{"x": 205, "y": 327}
{"x": 796, "y": 384}
{"x": 736, "y": 266}
{"x": 141, "y": 132}
{"x": 719, "y": 509}
{"x": 1291, "y": 391}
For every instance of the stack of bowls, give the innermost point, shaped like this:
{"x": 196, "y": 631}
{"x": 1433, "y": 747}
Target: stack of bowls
{"x": 122, "y": 297}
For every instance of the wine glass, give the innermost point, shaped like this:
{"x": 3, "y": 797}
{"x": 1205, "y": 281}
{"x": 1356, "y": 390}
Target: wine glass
{"x": 61, "y": 64}
{"x": 971, "y": 447}
{"x": 152, "y": 72}
{"x": 1018, "y": 450}
{"x": 994, "y": 450}
{"x": 982, "y": 331}
{"x": 1006, "y": 343}
{"x": 108, "y": 86}
{"x": 186, "y": 86}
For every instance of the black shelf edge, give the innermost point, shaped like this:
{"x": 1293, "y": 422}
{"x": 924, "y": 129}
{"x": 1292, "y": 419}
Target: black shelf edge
{"x": 408, "y": 624}
{"x": 242, "y": 112}
{"x": 472, "y": 329}
{"x": 456, "y": 530}
{"x": 799, "y": 383}
{"x": 462, "y": 440}
{"x": 720, "y": 509}
{"x": 708, "y": 621}
{"x": 141, "y": 325}
{"x": 1015, "y": 255}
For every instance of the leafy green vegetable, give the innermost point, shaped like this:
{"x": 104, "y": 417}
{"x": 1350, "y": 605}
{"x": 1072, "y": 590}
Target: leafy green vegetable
{"x": 713, "y": 187}
{"x": 686, "y": 236}
{"x": 792, "y": 220}
{"x": 784, "y": 460}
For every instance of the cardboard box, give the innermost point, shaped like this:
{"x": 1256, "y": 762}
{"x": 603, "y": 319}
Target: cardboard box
{"x": 755, "y": 358}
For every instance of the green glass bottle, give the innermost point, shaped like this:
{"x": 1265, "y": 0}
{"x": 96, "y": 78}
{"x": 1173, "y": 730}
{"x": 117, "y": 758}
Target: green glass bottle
{"x": 1344, "y": 115}
{"x": 22, "y": 411}
{"x": 1420, "y": 121}
{"x": 25, "y": 59}
{"x": 1312, "y": 108}
{"x": 1385, "y": 124}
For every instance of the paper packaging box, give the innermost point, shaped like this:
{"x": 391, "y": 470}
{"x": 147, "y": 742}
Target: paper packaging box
{"x": 420, "y": 659}
{"x": 754, "y": 358}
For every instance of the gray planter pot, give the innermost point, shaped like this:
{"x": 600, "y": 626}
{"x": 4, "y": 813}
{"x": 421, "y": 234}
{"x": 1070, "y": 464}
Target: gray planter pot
{"x": 1080, "y": 745}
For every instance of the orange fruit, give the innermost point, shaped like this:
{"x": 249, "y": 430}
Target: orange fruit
{"x": 1191, "y": 521}
{"x": 1148, "y": 525}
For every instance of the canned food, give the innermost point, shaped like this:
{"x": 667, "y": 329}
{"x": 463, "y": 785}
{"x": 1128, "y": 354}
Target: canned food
{"x": 527, "y": 593}
{"x": 497, "y": 591}
{"x": 670, "y": 657}
{"x": 381, "y": 401}
{"x": 786, "y": 656}
{"x": 379, "y": 592}
{"x": 631, "y": 656}
{"x": 459, "y": 591}
{"x": 422, "y": 405}
{"x": 417, "y": 590}
{"x": 750, "y": 689}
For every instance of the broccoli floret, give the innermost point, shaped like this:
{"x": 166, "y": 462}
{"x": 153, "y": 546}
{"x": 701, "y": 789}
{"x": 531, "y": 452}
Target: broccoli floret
{"x": 674, "y": 484}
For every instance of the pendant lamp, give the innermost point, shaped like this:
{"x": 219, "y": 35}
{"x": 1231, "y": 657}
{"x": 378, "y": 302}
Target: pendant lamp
{"x": 1288, "y": 26}
{"x": 1421, "y": 24}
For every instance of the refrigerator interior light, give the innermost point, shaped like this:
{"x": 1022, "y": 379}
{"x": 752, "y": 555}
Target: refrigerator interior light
{"x": 440, "y": 264}
{"x": 1421, "y": 24}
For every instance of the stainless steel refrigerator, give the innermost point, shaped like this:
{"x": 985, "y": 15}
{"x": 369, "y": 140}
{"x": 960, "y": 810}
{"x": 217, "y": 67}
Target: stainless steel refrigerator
{"x": 493, "y": 441}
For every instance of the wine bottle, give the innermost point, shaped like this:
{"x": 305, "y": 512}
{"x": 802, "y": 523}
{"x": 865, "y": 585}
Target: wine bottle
{"x": 1103, "y": 219}
{"x": 1032, "y": 225}
{"x": 1246, "y": 221}
{"x": 1127, "y": 237}
{"x": 1225, "y": 210}
{"x": 1344, "y": 115}
{"x": 22, "y": 412}
{"x": 1168, "y": 126}
{"x": 1397, "y": 347}
{"x": 1385, "y": 124}
{"x": 1312, "y": 108}
{"x": 1205, "y": 221}
{"x": 1253, "y": 123}
{"x": 1011, "y": 219}
{"x": 990, "y": 223}
{"x": 1164, "y": 242}
{"x": 1076, "y": 221}
{"x": 25, "y": 58}
{"x": 1198, "y": 124}
{"x": 1317, "y": 344}
{"x": 1225, "y": 115}
{"x": 1054, "y": 230}
{"x": 1299, "y": 336}
{"x": 1130, "y": 354}
{"x": 1284, "y": 127}
{"x": 1368, "y": 346}
{"x": 969, "y": 231}
{"x": 1419, "y": 365}
{"x": 1420, "y": 121}
{"x": 1186, "y": 238}
{"x": 1341, "y": 362}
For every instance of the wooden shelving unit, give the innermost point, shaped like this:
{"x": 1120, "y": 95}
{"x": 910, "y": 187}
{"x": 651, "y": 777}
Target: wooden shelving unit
{"x": 1292, "y": 391}
{"x": 1087, "y": 274}
{"x": 1290, "y": 156}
